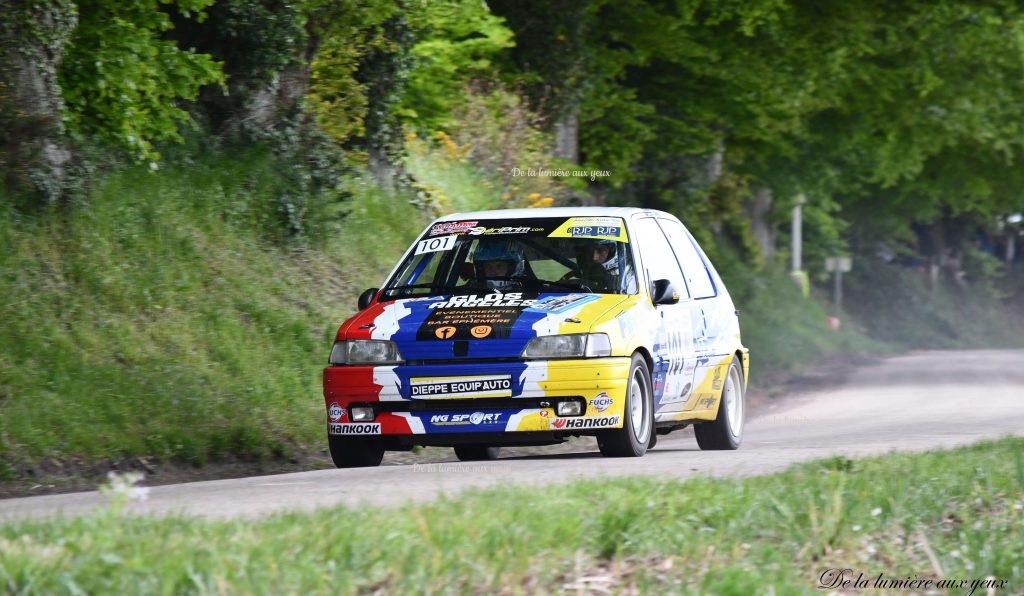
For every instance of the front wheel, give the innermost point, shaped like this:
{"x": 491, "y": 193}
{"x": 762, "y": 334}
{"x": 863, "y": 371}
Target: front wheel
{"x": 352, "y": 452}
{"x": 725, "y": 432}
{"x": 633, "y": 439}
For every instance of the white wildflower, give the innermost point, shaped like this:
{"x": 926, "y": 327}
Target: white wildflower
{"x": 125, "y": 487}
{"x": 876, "y": 512}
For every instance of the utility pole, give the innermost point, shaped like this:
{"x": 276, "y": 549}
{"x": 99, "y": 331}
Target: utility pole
{"x": 797, "y": 233}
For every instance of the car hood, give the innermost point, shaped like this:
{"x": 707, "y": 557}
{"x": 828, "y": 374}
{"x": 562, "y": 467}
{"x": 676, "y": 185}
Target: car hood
{"x": 494, "y": 325}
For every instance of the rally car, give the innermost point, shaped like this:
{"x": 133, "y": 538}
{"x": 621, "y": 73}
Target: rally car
{"x": 526, "y": 327}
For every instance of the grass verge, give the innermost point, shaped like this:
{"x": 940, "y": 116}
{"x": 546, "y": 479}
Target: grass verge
{"x": 954, "y": 515}
{"x": 165, "y": 320}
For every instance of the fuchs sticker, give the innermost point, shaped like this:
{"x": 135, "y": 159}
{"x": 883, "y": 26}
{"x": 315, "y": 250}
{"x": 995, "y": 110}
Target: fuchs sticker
{"x": 356, "y": 428}
{"x": 601, "y": 402}
{"x": 475, "y": 419}
{"x": 493, "y": 299}
{"x": 451, "y": 227}
{"x": 575, "y": 423}
{"x": 482, "y": 386}
{"x": 335, "y": 412}
{"x": 435, "y": 244}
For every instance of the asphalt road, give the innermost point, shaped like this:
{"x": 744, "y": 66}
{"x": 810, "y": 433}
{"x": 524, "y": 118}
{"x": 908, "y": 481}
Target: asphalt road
{"x": 915, "y": 402}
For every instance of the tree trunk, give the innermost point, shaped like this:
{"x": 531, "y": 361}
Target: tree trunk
{"x": 567, "y": 136}
{"x": 35, "y": 153}
{"x": 759, "y": 209}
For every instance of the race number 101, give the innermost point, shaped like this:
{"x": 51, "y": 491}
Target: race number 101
{"x": 435, "y": 244}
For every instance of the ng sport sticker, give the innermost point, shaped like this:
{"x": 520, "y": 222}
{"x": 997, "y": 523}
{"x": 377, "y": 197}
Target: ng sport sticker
{"x": 474, "y": 419}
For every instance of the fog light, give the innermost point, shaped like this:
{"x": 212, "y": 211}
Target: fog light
{"x": 569, "y": 408}
{"x": 360, "y": 414}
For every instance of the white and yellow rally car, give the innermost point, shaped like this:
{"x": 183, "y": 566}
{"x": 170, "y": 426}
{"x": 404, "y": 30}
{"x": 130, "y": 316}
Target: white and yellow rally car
{"x": 526, "y": 327}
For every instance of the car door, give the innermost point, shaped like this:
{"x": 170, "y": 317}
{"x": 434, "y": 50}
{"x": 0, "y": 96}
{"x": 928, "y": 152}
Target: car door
{"x": 673, "y": 350}
{"x": 705, "y": 311}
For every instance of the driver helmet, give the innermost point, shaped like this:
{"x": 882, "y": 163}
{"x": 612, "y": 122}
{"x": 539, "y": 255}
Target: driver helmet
{"x": 499, "y": 250}
{"x": 612, "y": 264}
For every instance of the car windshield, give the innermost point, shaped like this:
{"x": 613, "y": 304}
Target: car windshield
{"x": 575, "y": 254}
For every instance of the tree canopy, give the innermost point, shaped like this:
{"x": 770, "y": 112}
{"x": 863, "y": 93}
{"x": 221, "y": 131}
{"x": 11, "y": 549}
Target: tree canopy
{"x": 888, "y": 114}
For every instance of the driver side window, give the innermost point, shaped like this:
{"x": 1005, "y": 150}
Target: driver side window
{"x": 657, "y": 256}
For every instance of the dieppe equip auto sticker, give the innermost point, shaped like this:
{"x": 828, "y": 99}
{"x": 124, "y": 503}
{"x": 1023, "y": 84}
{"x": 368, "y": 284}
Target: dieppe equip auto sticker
{"x": 356, "y": 428}
{"x": 482, "y": 386}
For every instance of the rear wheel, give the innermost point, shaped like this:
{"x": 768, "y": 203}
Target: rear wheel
{"x": 633, "y": 439}
{"x": 351, "y": 452}
{"x": 476, "y": 452}
{"x": 725, "y": 432}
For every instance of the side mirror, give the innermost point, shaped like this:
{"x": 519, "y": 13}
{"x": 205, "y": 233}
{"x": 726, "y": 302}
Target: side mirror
{"x": 367, "y": 297}
{"x": 664, "y": 292}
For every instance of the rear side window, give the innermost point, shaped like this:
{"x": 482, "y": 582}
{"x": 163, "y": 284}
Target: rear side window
{"x": 657, "y": 254}
{"x": 698, "y": 279}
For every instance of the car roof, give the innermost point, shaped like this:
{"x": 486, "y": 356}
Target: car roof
{"x": 624, "y": 212}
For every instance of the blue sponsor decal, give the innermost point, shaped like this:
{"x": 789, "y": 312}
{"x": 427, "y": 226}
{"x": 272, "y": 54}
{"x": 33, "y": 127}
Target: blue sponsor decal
{"x": 560, "y": 303}
{"x": 592, "y": 231}
{"x": 465, "y": 421}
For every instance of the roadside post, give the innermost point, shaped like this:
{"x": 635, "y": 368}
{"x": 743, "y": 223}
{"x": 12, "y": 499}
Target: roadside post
{"x": 797, "y": 274}
{"x": 837, "y": 266}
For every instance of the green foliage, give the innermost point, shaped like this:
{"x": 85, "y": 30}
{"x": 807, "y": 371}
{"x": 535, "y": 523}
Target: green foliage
{"x": 359, "y": 72}
{"x": 703, "y": 535}
{"x": 174, "y": 325}
{"x": 120, "y": 79}
{"x": 458, "y": 43}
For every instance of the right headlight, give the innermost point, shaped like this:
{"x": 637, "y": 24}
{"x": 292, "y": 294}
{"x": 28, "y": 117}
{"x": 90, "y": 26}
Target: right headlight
{"x": 575, "y": 345}
{"x": 365, "y": 351}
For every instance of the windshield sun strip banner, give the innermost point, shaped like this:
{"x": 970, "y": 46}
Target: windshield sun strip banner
{"x": 603, "y": 228}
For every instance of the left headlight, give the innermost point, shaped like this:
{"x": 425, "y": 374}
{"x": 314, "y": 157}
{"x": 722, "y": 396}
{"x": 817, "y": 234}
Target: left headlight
{"x": 365, "y": 351}
{"x": 576, "y": 345}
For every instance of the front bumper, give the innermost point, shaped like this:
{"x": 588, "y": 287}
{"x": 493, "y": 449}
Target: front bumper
{"x": 483, "y": 399}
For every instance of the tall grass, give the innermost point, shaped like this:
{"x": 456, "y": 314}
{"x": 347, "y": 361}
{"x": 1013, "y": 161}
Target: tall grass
{"x": 168, "y": 317}
{"x": 947, "y": 515}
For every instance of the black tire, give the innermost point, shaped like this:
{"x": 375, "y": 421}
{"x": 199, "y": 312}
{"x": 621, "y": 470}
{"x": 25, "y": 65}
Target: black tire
{"x": 630, "y": 441}
{"x": 725, "y": 432}
{"x": 351, "y": 452}
{"x": 476, "y": 452}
